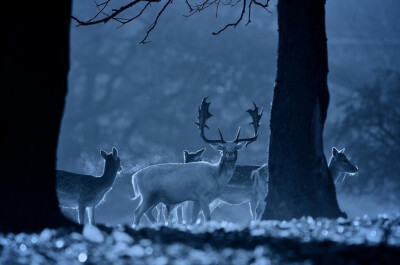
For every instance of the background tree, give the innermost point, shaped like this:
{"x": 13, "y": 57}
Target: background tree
{"x": 300, "y": 182}
{"x": 33, "y": 83}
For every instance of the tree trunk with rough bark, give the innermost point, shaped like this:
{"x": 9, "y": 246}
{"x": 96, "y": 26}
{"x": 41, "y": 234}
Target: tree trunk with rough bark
{"x": 33, "y": 81}
{"x": 300, "y": 183}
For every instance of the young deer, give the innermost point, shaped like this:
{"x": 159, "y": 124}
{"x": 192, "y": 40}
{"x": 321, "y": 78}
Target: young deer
{"x": 188, "y": 157}
{"x": 201, "y": 182}
{"x": 86, "y": 191}
{"x": 339, "y": 163}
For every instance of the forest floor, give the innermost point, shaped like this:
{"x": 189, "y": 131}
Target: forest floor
{"x": 303, "y": 241}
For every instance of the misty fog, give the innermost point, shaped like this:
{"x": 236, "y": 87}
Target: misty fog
{"x": 143, "y": 99}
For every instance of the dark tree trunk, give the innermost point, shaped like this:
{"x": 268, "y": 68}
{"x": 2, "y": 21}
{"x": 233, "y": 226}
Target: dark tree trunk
{"x": 33, "y": 81}
{"x": 300, "y": 183}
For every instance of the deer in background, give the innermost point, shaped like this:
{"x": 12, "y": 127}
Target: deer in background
{"x": 85, "y": 192}
{"x": 339, "y": 163}
{"x": 251, "y": 189}
{"x": 200, "y": 182}
{"x": 242, "y": 189}
{"x": 188, "y": 157}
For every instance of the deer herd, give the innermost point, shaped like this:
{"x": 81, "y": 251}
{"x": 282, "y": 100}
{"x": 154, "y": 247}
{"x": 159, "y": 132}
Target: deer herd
{"x": 182, "y": 191}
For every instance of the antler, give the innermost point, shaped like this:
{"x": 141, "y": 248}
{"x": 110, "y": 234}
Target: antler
{"x": 256, "y": 124}
{"x": 204, "y": 114}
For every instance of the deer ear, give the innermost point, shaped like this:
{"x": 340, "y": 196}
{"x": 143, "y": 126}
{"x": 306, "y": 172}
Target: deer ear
{"x": 200, "y": 152}
{"x": 335, "y": 152}
{"x": 342, "y": 151}
{"x": 240, "y": 145}
{"x": 115, "y": 152}
{"x": 218, "y": 146}
{"x": 103, "y": 154}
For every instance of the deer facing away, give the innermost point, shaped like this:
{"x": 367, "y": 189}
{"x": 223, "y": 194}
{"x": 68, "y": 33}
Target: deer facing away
{"x": 85, "y": 192}
{"x": 200, "y": 182}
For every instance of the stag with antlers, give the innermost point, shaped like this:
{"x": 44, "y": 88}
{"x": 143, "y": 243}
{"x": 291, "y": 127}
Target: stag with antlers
{"x": 200, "y": 182}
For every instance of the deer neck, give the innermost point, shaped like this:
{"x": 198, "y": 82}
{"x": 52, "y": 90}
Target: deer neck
{"x": 333, "y": 168}
{"x": 225, "y": 172}
{"x": 109, "y": 175}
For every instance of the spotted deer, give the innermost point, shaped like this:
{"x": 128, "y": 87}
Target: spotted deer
{"x": 200, "y": 182}
{"x": 85, "y": 192}
{"x": 339, "y": 163}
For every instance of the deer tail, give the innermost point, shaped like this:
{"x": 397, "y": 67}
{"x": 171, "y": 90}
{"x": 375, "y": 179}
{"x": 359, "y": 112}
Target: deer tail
{"x": 135, "y": 188}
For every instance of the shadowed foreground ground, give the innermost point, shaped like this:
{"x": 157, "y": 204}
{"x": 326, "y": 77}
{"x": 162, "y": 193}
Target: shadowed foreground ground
{"x": 304, "y": 241}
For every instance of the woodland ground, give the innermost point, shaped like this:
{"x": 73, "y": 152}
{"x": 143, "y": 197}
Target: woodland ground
{"x": 303, "y": 241}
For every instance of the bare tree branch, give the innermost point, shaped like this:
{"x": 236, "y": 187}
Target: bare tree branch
{"x": 104, "y": 5}
{"x": 153, "y": 25}
{"x": 233, "y": 24}
{"x": 109, "y": 17}
{"x": 249, "y": 19}
{"x": 260, "y": 4}
{"x": 193, "y": 9}
{"x": 135, "y": 17}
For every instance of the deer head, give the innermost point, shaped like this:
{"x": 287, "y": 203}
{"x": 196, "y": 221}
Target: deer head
{"x": 227, "y": 148}
{"x": 193, "y": 157}
{"x": 113, "y": 162}
{"x": 341, "y": 161}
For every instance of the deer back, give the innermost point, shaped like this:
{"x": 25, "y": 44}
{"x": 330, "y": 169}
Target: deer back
{"x": 87, "y": 190}
{"x": 178, "y": 182}
{"x": 241, "y": 175}
{"x": 71, "y": 187}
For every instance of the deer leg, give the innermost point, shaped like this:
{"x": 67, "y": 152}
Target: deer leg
{"x": 81, "y": 214}
{"x": 184, "y": 212}
{"x": 141, "y": 209}
{"x": 215, "y": 203}
{"x": 253, "y": 205}
{"x": 159, "y": 212}
{"x": 189, "y": 210}
{"x": 150, "y": 216}
{"x": 168, "y": 213}
{"x": 260, "y": 210}
{"x": 174, "y": 214}
{"x": 195, "y": 211}
{"x": 179, "y": 213}
{"x": 90, "y": 211}
{"x": 164, "y": 213}
{"x": 206, "y": 210}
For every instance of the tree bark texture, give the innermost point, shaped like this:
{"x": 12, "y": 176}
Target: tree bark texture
{"x": 33, "y": 81}
{"x": 300, "y": 183}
